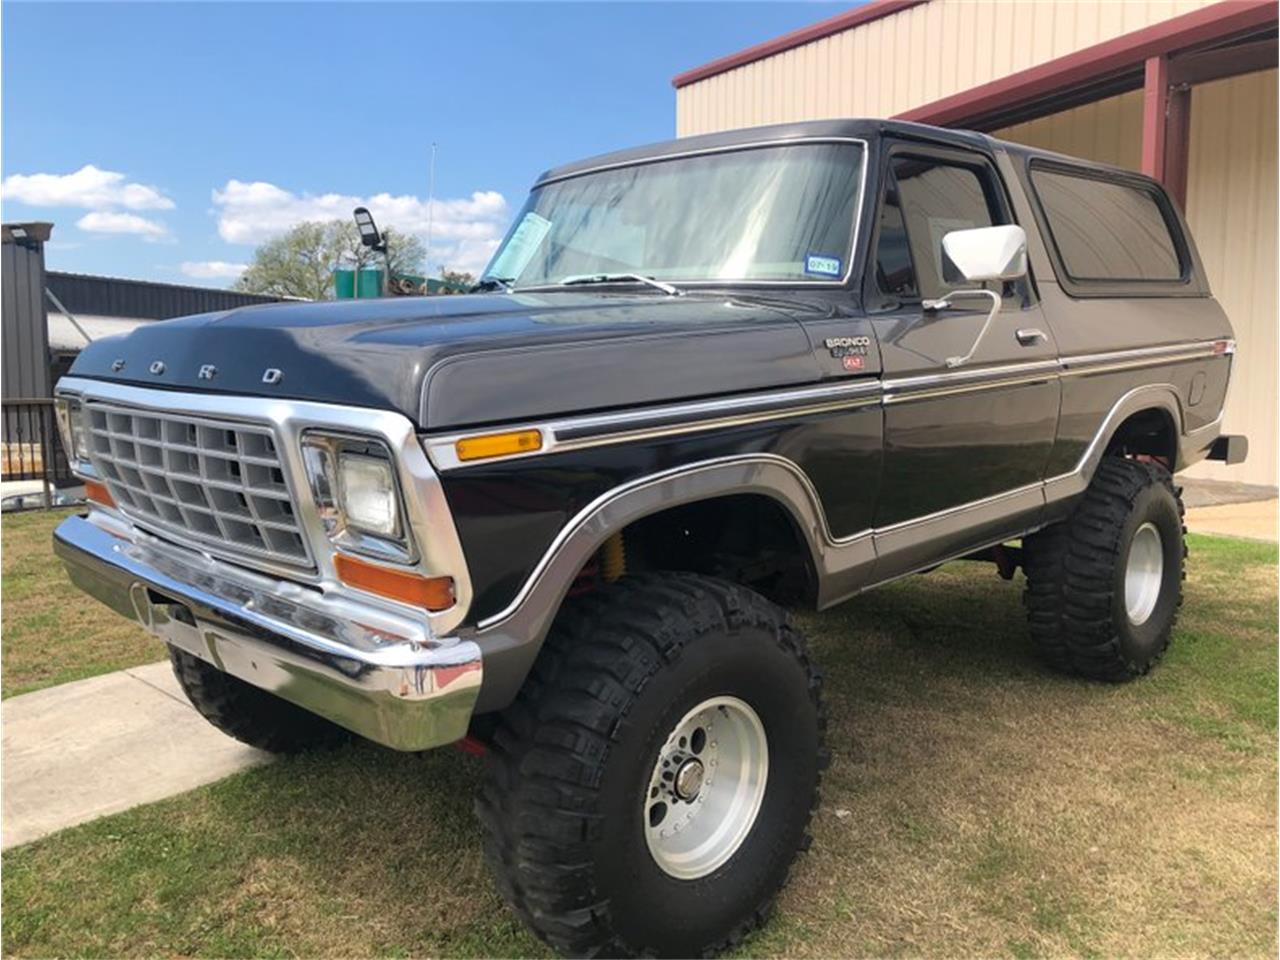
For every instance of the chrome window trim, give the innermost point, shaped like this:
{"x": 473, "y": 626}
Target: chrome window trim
{"x": 735, "y": 148}
{"x": 745, "y": 409}
{"x": 428, "y": 517}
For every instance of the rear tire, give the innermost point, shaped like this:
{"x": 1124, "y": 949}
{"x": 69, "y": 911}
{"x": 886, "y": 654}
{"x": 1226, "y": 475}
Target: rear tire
{"x": 655, "y": 675}
{"x": 1104, "y": 586}
{"x": 249, "y": 714}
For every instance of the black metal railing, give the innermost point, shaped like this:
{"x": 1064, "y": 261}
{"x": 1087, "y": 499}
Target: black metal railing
{"x": 30, "y": 450}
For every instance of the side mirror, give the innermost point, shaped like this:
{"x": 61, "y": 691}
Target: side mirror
{"x": 984, "y": 254}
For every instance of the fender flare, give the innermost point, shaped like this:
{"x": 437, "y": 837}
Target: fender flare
{"x": 511, "y": 638}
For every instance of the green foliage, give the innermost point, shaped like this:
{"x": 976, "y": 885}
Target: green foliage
{"x": 300, "y": 263}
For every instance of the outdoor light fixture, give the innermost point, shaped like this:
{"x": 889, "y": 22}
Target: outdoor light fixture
{"x": 369, "y": 234}
{"x": 19, "y": 233}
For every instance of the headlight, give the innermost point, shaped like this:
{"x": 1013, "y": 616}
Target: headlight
{"x": 368, "y": 494}
{"x": 72, "y": 429}
{"x": 353, "y": 481}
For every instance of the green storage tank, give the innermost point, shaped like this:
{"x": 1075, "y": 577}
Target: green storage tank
{"x": 344, "y": 283}
{"x": 369, "y": 283}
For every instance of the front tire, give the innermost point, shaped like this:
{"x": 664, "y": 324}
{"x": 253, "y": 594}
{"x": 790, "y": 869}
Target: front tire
{"x": 1104, "y": 586}
{"x": 652, "y": 784}
{"x": 251, "y": 715}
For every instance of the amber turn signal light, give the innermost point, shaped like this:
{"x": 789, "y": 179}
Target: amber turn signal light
{"x": 499, "y": 445}
{"x": 98, "y": 493}
{"x": 430, "y": 593}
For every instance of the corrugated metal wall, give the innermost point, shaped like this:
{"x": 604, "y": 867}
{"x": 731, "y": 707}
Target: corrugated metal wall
{"x": 1231, "y": 206}
{"x": 1109, "y": 131}
{"x": 24, "y": 335}
{"x": 909, "y": 58}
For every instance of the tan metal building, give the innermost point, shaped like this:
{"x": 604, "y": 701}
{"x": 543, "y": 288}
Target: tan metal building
{"x": 1182, "y": 90}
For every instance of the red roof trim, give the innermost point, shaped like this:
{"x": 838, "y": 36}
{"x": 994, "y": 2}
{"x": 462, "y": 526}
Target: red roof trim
{"x": 1205, "y": 25}
{"x": 796, "y": 38}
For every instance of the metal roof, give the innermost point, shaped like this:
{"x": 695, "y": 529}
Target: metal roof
{"x": 142, "y": 299}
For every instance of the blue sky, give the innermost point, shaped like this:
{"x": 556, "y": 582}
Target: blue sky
{"x": 208, "y": 127}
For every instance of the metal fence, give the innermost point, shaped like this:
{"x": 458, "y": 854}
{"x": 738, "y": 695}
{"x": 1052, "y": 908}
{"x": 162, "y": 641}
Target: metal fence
{"x": 31, "y": 452}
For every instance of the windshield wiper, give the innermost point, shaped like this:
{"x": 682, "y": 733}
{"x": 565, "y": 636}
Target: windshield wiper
{"x": 666, "y": 288}
{"x": 493, "y": 283}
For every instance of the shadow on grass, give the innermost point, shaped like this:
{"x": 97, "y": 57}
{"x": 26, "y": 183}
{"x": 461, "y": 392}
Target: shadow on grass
{"x": 977, "y": 804}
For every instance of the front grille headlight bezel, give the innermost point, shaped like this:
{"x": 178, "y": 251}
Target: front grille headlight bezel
{"x": 69, "y": 414}
{"x": 325, "y": 455}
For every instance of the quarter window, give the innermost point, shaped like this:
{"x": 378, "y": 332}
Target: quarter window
{"x": 1105, "y": 229}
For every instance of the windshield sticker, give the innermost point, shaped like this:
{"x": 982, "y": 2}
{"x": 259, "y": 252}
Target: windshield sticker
{"x": 822, "y": 266}
{"x": 524, "y": 243}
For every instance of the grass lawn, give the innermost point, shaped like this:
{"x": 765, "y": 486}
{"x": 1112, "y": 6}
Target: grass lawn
{"x": 977, "y": 805}
{"x": 53, "y": 633}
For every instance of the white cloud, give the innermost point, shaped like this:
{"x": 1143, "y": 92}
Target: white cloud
{"x": 107, "y": 221}
{"x": 88, "y": 188}
{"x": 464, "y": 232}
{"x": 213, "y": 269}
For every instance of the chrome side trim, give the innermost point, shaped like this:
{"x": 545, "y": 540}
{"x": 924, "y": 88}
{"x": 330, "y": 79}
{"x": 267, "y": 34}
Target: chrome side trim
{"x": 845, "y": 566}
{"x": 428, "y": 516}
{"x": 927, "y": 386}
{"x": 579, "y": 433}
{"x": 560, "y": 435}
{"x": 735, "y": 148}
{"x": 1084, "y": 364}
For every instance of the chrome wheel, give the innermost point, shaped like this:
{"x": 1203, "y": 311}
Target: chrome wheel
{"x": 1143, "y": 573}
{"x": 706, "y": 788}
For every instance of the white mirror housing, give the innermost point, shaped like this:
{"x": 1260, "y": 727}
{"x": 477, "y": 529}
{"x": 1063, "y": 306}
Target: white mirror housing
{"x": 985, "y": 253}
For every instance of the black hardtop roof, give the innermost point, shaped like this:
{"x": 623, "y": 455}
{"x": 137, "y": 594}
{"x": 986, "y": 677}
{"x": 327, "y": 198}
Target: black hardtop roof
{"x": 864, "y": 129}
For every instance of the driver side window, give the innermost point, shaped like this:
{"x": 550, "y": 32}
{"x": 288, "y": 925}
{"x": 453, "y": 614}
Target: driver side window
{"x": 925, "y": 199}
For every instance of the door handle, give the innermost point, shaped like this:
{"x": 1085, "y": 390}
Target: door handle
{"x": 1029, "y": 336}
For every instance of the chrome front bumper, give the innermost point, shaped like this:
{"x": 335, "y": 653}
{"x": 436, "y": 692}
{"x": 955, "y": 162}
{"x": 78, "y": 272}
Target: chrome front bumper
{"x": 369, "y": 670}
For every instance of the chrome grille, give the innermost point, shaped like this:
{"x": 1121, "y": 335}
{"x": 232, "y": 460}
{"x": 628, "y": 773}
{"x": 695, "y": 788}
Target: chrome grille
{"x": 217, "y": 482}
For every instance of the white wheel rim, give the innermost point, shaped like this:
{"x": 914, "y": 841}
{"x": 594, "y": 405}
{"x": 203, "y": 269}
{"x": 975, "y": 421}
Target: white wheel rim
{"x": 706, "y": 788}
{"x": 1143, "y": 573}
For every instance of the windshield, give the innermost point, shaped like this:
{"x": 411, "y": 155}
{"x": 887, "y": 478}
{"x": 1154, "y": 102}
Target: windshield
{"x": 781, "y": 213}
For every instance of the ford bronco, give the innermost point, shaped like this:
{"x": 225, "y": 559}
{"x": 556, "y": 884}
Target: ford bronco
{"x": 700, "y": 382}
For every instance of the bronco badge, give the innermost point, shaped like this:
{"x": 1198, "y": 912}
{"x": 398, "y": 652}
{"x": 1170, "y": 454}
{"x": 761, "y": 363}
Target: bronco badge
{"x": 847, "y": 346}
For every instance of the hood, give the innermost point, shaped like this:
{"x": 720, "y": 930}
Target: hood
{"x": 459, "y": 361}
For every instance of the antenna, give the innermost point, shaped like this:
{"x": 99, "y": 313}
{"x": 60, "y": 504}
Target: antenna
{"x": 431, "y": 197}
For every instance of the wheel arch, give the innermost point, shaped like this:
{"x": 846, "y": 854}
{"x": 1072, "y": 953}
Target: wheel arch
{"x": 1141, "y": 405}
{"x": 511, "y": 638}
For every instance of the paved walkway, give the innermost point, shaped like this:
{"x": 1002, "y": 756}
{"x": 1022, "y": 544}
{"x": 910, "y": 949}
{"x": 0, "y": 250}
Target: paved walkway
{"x": 1255, "y": 521}
{"x": 82, "y": 750}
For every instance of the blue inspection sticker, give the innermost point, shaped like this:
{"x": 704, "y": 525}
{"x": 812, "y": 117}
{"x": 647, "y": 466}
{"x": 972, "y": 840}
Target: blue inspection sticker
{"x": 822, "y": 266}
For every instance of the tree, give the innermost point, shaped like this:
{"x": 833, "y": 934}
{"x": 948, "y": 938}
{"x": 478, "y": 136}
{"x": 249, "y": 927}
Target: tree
{"x": 300, "y": 263}
{"x": 457, "y": 279}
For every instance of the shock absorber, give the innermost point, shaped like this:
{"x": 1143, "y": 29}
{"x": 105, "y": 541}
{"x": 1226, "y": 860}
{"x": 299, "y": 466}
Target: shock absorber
{"x": 613, "y": 558}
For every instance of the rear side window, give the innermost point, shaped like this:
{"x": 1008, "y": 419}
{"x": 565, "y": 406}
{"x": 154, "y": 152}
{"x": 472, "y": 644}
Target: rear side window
{"x": 1107, "y": 230}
